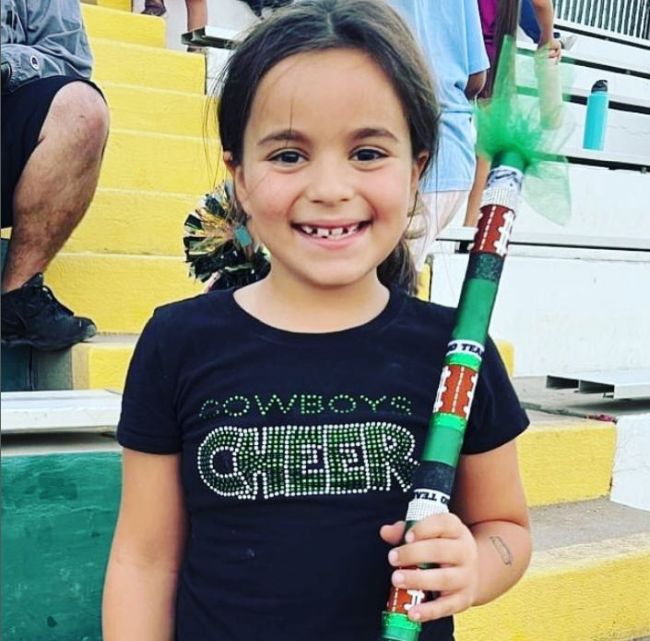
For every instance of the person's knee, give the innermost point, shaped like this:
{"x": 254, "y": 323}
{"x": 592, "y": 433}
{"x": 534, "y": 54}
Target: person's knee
{"x": 80, "y": 107}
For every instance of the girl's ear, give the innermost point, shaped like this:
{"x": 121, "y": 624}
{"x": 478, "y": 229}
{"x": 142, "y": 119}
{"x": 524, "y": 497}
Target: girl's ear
{"x": 237, "y": 175}
{"x": 227, "y": 160}
{"x": 418, "y": 167}
{"x": 416, "y": 172}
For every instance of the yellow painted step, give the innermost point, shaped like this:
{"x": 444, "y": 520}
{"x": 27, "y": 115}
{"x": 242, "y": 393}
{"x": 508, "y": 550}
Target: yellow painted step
{"x": 160, "y": 162}
{"x": 101, "y": 365}
{"x": 133, "y": 222}
{"x": 146, "y": 109}
{"x": 119, "y": 25}
{"x": 568, "y": 459}
{"x": 147, "y": 66}
{"x": 119, "y": 292}
{"x": 506, "y": 350}
{"x": 122, "y": 5}
{"x": 586, "y": 592}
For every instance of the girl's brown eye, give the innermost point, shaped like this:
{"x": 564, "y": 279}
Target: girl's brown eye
{"x": 287, "y": 157}
{"x": 366, "y": 155}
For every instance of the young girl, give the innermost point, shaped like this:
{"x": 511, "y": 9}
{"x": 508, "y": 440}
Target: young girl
{"x": 270, "y": 433}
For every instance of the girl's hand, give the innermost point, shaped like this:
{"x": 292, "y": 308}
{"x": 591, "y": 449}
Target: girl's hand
{"x": 554, "y": 48}
{"x": 442, "y": 539}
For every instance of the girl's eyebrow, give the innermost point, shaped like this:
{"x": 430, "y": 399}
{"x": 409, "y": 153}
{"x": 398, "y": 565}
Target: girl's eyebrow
{"x": 285, "y": 135}
{"x": 373, "y": 132}
{"x": 291, "y": 135}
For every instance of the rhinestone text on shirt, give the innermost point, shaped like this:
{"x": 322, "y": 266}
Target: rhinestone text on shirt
{"x": 295, "y": 460}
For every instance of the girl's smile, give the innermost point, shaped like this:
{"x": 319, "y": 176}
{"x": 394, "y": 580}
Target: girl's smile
{"x": 332, "y": 234}
{"x": 327, "y": 175}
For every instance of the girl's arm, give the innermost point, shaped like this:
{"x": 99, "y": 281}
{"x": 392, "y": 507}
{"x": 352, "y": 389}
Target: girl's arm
{"x": 141, "y": 578}
{"x": 483, "y": 548}
{"x": 489, "y": 498}
{"x": 545, "y": 15}
{"x": 475, "y": 84}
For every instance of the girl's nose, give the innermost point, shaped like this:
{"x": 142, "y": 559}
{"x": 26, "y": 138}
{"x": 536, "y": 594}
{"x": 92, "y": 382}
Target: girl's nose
{"x": 329, "y": 182}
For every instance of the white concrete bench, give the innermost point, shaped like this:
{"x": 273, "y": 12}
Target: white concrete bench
{"x": 626, "y": 63}
{"x": 609, "y": 213}
{"x": 562, "y": 240}
{"x": 593, "y": 36}
{"x": 613, "y": 384}
{"x": 60, "y": 411}
{"x": 211, "y": 36}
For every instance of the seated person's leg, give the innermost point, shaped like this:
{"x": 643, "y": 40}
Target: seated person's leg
{"x": 197, "y": 14}
{"x": 54, "y": 190}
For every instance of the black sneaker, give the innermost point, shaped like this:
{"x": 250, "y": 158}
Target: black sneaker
{"x": 31, "y": 315}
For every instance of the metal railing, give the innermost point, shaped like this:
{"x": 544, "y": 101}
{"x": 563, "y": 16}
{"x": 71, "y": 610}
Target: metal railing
{"x": 628, "y": 17}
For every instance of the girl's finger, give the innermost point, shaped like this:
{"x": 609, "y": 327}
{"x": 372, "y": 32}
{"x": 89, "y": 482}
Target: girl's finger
{"x": 435, "y": 580}
{"x": 439, "y": 525}
{"x": 443, "y": 606}
{"x": 440, "y": 551}
{"x": 392, "y": 534}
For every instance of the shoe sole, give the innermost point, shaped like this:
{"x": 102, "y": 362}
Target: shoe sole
{"x": 46, "y": 346}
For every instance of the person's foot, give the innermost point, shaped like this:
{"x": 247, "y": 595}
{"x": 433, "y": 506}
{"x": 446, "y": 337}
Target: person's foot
{"x": 31, "y": 315}
{"x": 567, "y": 41}
{"x": 154, "y": 8}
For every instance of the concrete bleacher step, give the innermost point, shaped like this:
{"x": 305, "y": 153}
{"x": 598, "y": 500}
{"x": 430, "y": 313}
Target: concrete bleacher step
{"x": 595, "y": 194}
{"x": 565, "y": 459}
{"x": 119, "y": 292}
{"x": 122, "y": 221}
{"x": 160, "y": 163}
{"x": 575, "y": 76}
{"x": 147, "y": 66}
{"x": 121, "y": 5}
{"x": 600, "y": 42}
{"x": 588, "y": 581}
{"x": 627, "y": 131}
{"x": 115, "y": 24}
{"x": 59, "y": 411}
{"x": 97, "y": 364}
{"x": 162, "y": 111}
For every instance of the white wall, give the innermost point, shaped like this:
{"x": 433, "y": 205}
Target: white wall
{"x": 564, "y": 314}
{"x": 631, "y": 475}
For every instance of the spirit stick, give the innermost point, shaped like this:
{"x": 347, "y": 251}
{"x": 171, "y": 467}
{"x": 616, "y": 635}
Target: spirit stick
{"x": 513, "y": 140}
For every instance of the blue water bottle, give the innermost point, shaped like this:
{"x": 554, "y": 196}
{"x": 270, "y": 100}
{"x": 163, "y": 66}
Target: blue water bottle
{"x": 596, "y": 119}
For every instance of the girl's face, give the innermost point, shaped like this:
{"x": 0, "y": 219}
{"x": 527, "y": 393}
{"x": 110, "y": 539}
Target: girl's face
{"x": 327, "y": 176}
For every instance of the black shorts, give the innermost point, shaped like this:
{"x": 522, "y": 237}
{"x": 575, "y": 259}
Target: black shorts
{"x": 23, "y": 114}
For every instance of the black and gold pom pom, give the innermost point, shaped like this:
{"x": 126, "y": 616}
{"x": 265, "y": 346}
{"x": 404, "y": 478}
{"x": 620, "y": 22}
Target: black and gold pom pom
{"x": 218, "y": 246}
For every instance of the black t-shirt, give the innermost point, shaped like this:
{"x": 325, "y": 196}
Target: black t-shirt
{"x": 295, "y": 449}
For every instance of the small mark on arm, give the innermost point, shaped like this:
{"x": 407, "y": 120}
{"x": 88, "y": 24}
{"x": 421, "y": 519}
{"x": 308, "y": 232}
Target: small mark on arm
{"x": 502, "y": 549}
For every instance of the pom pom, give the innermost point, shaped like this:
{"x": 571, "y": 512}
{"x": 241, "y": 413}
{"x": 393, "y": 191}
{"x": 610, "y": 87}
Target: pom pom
{"x": 218, "y": 247}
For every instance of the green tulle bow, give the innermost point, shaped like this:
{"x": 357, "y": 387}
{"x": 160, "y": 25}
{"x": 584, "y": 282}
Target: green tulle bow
{"x": 525, "y": 120}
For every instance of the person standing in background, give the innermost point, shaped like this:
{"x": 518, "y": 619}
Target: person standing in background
{"x": 530, "y": 22}
{"x": 197, "y": 13}
{"x": 498, "y": 19}
{"x": 449, "y": 33}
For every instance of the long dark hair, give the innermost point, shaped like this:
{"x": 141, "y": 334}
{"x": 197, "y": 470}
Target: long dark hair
{"x": 506, "y": 25}
{"x": 370, "y": 26}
